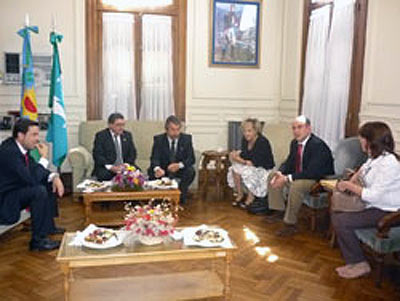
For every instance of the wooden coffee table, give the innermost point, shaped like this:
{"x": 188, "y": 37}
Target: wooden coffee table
{"x": 117, "y": 218}
{"x": 170, "y": 286}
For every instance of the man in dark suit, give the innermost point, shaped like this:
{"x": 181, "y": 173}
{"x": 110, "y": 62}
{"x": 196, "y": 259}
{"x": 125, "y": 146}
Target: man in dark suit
{"x": 309, "y": 160}
{"x": 112, "y": 148}
{"x": 173, "y": 156}
{"x": 26, "y": 183}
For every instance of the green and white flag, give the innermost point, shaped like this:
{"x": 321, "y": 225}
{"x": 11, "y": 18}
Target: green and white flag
{"x": 57, "y": 126}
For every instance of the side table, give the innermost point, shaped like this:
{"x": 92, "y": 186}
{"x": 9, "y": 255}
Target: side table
{"x": 221, "y": 160}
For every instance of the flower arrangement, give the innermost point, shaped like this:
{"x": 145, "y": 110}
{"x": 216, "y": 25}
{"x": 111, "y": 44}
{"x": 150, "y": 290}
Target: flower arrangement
{"x": 129, "y": 179}
{"x": 151, "y": 221}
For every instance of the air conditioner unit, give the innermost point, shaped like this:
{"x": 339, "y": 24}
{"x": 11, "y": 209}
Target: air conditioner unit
{"x": 41, "y": 68}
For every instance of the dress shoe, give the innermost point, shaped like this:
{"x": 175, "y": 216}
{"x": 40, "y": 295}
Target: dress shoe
{"x": 286, "y": 231}
{"x": 258, "y": 208}
{"x": 275, "y": 217}
{"x": 44, "y": 244}
{"x": 57, "y": 230}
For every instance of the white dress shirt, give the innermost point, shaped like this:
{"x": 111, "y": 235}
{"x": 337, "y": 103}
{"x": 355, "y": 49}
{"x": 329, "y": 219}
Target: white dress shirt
{"x": 303, "y": 143}
{"x": 108, "y": 166}
{"x": 381, "y": 177}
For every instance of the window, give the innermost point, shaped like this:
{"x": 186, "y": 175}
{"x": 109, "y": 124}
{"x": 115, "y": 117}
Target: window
{"x": 356, "y": 73}
{"x": 136, "y": 58}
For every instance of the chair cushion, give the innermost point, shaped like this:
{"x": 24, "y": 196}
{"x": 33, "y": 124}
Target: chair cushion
{"x": 316, "y": 202}
{"x": 380, "y": 245}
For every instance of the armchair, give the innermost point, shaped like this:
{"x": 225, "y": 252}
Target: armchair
{"x": 382, "y": 240}
{"x": 347, "y": 154}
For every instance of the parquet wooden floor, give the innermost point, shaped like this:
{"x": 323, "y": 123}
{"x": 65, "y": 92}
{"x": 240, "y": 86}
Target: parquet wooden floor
{"x": 304, "y": 269}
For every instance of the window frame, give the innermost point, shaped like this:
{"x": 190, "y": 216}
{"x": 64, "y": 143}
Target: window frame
{"x": 94, "y": 34}
{"x": 357, "y": 65}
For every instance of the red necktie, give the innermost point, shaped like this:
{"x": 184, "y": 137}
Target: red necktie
{"x": 298, "y": 157}
{"x": 27, "y": 159}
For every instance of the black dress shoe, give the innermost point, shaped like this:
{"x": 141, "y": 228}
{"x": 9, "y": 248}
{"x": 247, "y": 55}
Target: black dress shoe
{"x": 57, "y": 230}
{"x": 258, "y": 209}
{"x": 44, "y": 244}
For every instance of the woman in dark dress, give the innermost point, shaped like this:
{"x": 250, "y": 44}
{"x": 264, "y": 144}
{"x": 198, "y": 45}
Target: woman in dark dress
{"x": 252, "y": 164}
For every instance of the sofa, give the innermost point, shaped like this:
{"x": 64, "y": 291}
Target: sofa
{"x": 80, "y": 157}
{"x": 279, "y": 135}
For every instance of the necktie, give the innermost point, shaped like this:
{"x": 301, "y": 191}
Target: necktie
{"x": 119, "y": 159}
{"x": 26, "y": 159}
{"x": 298, "y": 157}
{"x": 172, "y": 152}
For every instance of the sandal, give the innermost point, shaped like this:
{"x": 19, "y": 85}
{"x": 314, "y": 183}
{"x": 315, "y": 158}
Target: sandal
{"x": 236, "y": 202}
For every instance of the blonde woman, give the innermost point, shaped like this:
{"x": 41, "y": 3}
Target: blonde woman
{"x": 251, "y": 165}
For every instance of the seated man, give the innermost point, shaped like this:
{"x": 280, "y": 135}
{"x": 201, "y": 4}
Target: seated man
{"x": 26, "y": 183}
{"x": 309, "y": 160}
{"x": 112, "y": 148}
{"x": 172, "y": 156}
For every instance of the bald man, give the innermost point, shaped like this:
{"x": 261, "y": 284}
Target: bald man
{"x": 309, "y": 160}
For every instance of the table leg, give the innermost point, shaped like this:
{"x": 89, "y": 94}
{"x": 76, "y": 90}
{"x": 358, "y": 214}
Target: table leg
{"x": 67, "y": 277}
{"x": 88, "y": 211}
{"x": 227, "y": 287}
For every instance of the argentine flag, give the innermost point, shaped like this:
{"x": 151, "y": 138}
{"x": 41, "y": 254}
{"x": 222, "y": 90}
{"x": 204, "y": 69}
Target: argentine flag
{"x": 57, "y": 126}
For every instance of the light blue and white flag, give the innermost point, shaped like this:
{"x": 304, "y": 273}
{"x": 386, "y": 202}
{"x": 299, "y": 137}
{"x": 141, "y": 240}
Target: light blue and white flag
{"x": 57, "y": 126}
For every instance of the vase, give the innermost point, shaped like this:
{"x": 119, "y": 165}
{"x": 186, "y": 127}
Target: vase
{"x": 150, "y": 240}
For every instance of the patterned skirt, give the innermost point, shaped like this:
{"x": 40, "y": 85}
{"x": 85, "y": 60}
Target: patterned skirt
{"x": 255, "y": 179}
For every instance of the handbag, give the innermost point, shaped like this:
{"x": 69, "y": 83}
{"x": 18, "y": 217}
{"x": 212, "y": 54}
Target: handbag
{"x": 347, "y": 201}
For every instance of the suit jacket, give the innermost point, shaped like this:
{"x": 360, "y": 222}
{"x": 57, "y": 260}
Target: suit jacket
{"x": 317, "y": 160}
{"x": 160, "y": 152}
{"x": 14, "y": 175}
{"x": 104, "y": 152}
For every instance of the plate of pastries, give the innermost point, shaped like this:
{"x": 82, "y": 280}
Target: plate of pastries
{"x": 102, "y": 238}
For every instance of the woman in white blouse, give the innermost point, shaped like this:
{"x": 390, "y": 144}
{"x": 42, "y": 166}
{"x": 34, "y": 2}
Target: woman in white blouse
{"x": 381, "y": 191}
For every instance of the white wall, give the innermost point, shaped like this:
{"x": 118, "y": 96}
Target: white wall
{"x": 381, "y": 93}
{"x": 70, "y": 22}
{"x": 217, "y": 95}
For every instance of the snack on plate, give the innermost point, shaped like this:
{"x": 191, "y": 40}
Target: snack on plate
{"x": 164, "y": 182}
{"x": 100, "y": 236}
{"x": 95, "y": 184}
{"x": 209, "y": 235}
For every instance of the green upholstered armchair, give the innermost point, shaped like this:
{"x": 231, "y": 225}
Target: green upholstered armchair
{"x": 347, "y": 155}
{"x": 382, "y": 240}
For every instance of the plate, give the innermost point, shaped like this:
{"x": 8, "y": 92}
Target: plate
{"x": 189, "y": 235}
{"x": 158, "y": 184}
{"x": 111, "y": 243}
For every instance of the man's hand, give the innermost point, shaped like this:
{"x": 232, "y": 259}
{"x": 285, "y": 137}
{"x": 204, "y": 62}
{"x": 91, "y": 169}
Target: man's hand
{"x": 173, "y": 167}
{"x": 43, "y": 150}
{"x": 116, "y": 168}
{"x": 279, "y": 180}
{"x": 159, "y": 173}
{"x": 58, "y": 186}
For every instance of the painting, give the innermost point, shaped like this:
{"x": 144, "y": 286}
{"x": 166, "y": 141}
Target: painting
{"x": 235, "y": 27}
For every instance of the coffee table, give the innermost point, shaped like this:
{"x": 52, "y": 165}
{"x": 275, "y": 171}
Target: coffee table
{"x": 170, "y": 286}
{"x": 117, "y": 218}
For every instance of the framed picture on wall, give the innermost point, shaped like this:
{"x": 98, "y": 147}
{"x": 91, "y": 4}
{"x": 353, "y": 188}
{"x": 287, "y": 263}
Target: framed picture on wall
{"x": 235, "y": 31}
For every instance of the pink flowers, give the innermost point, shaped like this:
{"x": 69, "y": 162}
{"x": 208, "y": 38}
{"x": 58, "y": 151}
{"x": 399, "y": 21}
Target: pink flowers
{"x": 129, "y": 179}
{"x": 149, "y": 220}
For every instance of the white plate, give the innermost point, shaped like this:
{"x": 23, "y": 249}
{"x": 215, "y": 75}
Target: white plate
{"x": 111, "y": 243}
{"x": 155, "y": 185}
{"x": 189, "y": 234}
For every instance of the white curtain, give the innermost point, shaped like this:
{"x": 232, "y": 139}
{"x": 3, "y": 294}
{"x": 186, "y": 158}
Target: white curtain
{"x": 338, "y": 73}
{"x": 315, "y": 65}
{"x": 118, "y": 65}
{"x": 328, "y": 71}
{"x": 157, "y": 101}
